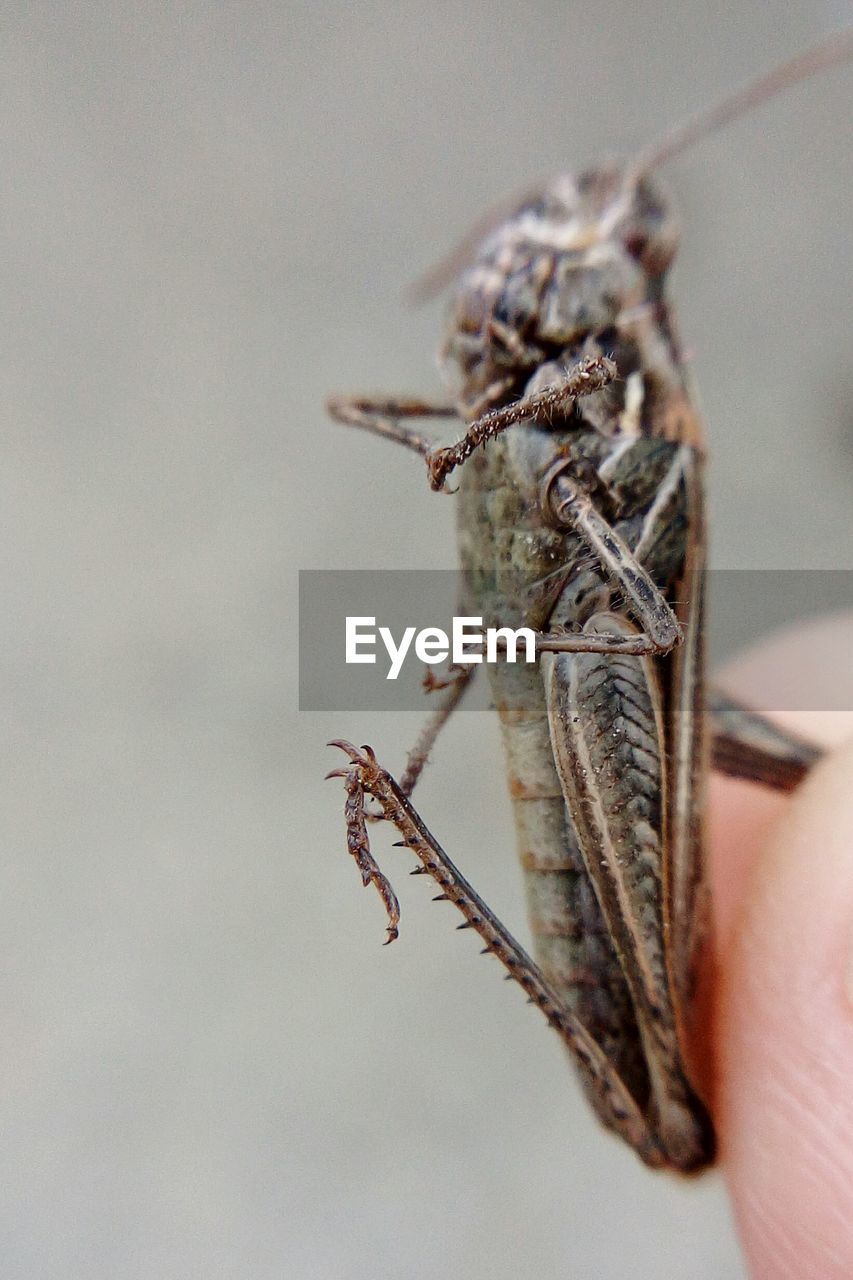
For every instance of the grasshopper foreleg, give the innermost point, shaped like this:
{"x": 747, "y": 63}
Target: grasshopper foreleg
{"x": 589, "y": 375}
{"x": 365, "y": 776}
{"x": 383, "y": 417}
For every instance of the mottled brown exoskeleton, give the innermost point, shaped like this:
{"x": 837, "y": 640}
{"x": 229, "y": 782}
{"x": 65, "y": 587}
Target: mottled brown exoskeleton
{"x": 585, "y": 522}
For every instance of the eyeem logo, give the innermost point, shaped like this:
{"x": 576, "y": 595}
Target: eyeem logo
{"x": 432, "y": 645}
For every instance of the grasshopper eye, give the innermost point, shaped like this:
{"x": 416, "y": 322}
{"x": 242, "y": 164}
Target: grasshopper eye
{"x": 654, "y": 251}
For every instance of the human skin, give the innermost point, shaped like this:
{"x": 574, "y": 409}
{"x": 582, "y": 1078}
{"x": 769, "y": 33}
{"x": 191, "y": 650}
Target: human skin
{"x": 782, "y": 877}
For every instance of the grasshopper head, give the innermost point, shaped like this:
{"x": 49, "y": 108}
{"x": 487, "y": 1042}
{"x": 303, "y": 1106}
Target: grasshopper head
{"x": 560, "y": 270}
{"x": 591, "y": 213}
{"x": 612, "y": 207}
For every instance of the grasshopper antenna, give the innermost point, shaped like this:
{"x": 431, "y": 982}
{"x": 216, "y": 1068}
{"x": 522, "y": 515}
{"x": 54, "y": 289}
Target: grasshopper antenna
{"x": 436, "y": 278}
{"x": 832, "y": 51}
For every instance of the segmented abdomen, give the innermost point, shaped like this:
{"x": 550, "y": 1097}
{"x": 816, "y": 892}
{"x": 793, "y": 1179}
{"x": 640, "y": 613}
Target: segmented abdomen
{"x": 519, "y": 571}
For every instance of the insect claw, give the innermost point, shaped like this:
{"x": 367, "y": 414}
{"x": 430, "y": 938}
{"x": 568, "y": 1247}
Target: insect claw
{"x": 393, "y": 935}
{"x": 336, "y": 773}
{"x": 353, "y": 752}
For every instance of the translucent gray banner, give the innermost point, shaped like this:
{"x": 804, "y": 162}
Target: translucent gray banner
{"x": 744, "y": 606}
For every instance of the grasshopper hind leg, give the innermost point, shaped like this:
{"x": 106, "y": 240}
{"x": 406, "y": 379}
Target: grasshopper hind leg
{"x": 745, "y": 745}
{"x": 365, "y": 776}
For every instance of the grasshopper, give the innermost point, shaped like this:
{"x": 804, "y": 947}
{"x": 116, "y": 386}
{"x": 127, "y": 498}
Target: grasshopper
{"x": 583, "y": 519}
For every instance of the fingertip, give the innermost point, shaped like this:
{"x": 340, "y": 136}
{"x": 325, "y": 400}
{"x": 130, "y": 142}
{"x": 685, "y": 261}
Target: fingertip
{"x": 741, "y": 817}
{"x": 785, "y": 1028}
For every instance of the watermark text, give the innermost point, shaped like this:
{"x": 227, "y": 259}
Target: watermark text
{"x": 465, "y": 645}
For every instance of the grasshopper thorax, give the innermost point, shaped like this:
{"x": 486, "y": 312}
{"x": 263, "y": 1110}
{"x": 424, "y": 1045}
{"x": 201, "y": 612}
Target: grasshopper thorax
{"x": 565, "y": 267}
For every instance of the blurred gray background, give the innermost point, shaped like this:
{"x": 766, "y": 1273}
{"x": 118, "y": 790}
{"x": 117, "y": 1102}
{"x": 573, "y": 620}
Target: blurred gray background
{"x": 209, "y": 1066}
